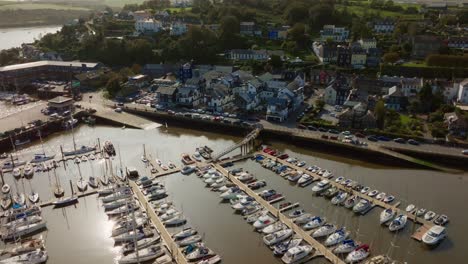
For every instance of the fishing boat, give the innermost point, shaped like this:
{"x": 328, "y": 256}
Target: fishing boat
{"x": 296, "y": 254}
{"x": 315, "y": 222}
{"x": 324, "y": 230}
{"x": 274, "y": 238}
{"x": 345, "y": 247}
{"x": 359, "y": 254}
{"x": 22, "y": 231}
{"x": 398, "y": 223}
{"x": 387, "y": 215}
{"x": 142, "y": 255}
{"x": 281, "y": 248}
{"x": 35, "y": 257}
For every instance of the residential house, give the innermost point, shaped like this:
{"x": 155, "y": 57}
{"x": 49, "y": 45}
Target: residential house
{"x": 369, "y": 43}
{"x": 337, "y": 91}
{"x": 277, "y": 110}
{"x": 457, "y": 42}
{"x": 358, "y": 58}
{"x": 243, "y": 54}
{"x": 326, "y": 53}
{"x": 424, "y": 45}
{"x": 411, "y": 86}
{"x": 219, "y": 98}
{"x": 249, "y": 28}
{"x": 395, "y": 99}
{"x": 162, "y": 15}
{"x": 329, "y": 95}
{"x": 167, "y": 95}
{"x": 280, "y": 33}
{"x": 338, "y": 34}
{"x": 148, "y": 26}
{"x": 450, "y": 91}
{"x": 158, "y": 70}
{"x": 141, "y": 15}
{"x": 185, "y": 71}
{"x": 246, "y": 101}
{"x": 139, "y": 81}
{"x": 318, "y": 76}
{"x": 178, "y": 28}
{"x": 343, "y": 56}
{"x": 369, "y": 85}
{"x": 188, "y": 96}
{"x": 462, "y": 97}
{"x": 383, "y": 26}
{"x": 373, "y": 57}
{"x": 456, "y": 124}
{"x": 357, "y": 117}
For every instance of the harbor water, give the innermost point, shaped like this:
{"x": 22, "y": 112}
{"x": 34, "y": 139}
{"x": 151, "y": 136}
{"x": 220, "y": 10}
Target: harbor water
{"x": 81, "y": 233}
{"x": 14, "y": 37}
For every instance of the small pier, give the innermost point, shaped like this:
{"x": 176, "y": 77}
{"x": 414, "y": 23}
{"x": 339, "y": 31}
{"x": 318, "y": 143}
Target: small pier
{"x": 374, "y": 201}
{"x": 321, "y": 250}
{"x": 79, "y": 194}
{"x": 173, "y": 248}
{"x": 289, "y": 207}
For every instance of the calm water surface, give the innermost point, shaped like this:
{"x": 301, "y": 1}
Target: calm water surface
{"x": 14, "y": 37}
{"x": 81, "y": 234}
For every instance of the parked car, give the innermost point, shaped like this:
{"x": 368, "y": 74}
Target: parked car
{"x": 400, "y": 140}
{"x": 170, "y": 112}
{"x": 321, "y": 129}
{"x": 333, "y": 131}
{"x": 372, "y": 138}
{"x": 324, "y": 136}
{"x": 383, "y": 138}
{"x": 413, "y": 142}
{"x": 334, "y": 137}
{"x": 346, "y": 133}
{"x": 312, "y": 128}
{"x": 118, "y": 110}
{"x": 300, "y": 126}
{"x": 465, "y": 152}
{"x": 360, "y": 135}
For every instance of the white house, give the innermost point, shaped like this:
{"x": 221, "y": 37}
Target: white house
{"x": 450, "y": 91}
{"x": 188, "y": 96}
{"x": 148, "y": 26}
{"x": 411, "y": 86}
{"x": 178, "y": 28}
{"x": 277, "y": 110}
{"x": 329, "y": 97}
{"x": 463, "y": 92}
{"x": 370, "y": 43}
{"x": 219, "y": 98}
{"x": 141, "y": 15}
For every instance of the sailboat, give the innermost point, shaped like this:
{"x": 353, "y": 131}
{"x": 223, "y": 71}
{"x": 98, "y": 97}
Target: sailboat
{"x": 104, "y": 179}
{"x": 41, "y": 157}
{"x": 5, "y": 187}
{"x": 81, "y": 183}
{"x": 121, "y": 175}
{"x": 28, "y": 170}
{"x": 143, "y": 158}
{"x": 58, "y": 190}
{"x": 81, "y": 150}
{"x": 67, "y": 200}
{"x": 33, "y": 197}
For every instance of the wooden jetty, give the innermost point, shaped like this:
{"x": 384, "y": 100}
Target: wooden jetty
{"x": 79, "y": 194}
{"x": 289, "y": 207}
{"x": 374, "y": 201}
{"x": 173, "y": 248}
{"x": 321, "y": 250}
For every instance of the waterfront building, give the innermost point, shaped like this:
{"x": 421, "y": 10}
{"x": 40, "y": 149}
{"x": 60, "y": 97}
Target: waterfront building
{"x": 60, "y": 104}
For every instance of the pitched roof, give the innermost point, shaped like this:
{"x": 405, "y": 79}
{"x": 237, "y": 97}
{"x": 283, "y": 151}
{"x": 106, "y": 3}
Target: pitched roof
{"x": 167, "y": 90}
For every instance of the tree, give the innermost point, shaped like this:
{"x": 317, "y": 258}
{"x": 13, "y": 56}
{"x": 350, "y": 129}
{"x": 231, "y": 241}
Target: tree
{"x": 275, "y": 61}
{"x": 124, "y": 73}
{"x": 391, "y": 57}
{"x": 113, "y": 85}
{"x": 297, "y": 33}
{"x": 380, "y": 113}
{"x": 296, "y": 13}
{"x": 136, "y": 68}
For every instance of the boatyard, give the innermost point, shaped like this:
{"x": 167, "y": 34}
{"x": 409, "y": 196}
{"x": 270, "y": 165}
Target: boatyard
{"x": 181, "y": 185}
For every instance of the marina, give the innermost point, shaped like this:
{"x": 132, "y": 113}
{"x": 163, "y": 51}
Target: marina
{"x": 181, "y": 188}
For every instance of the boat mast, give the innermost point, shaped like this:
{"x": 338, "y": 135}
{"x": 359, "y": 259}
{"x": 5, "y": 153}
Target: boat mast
{"x": 71, "y": 187}
{"x": 42, "y": 143}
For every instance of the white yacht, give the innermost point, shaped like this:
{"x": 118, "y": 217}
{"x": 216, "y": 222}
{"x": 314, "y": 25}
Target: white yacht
{"x": 434, "y": 235}
{"x": 190, "y": 240}
{"x": 35, "y": 257}
{"x": 398, "y": 223}
{"x": 410, "y": 208}
{"x": 362, "y": 206}
{"x": 316, "y": 221}
{"x": 305, "y": 180}
{"x": 188, "y": 169}
{"x": 273, "y": 228}
{"x": 305, "y": 218}
{"x": 387, "y": 215}
{"x": 143, "y": 255}
{"x": 345, "y": 247}
{"x": 296, "y": 254}
{"x": 263, "y": 221}
{"x": 337, "y": 237}
{"x": 320, "y": 187}
{"x": 186, "y": 232}
{"x": 339, "y": 198}
{"x": 199, "y": 253}
{"x": 277, "y": 237}
{"x": 324, "y": 230}
{"x": 359, "y": 254}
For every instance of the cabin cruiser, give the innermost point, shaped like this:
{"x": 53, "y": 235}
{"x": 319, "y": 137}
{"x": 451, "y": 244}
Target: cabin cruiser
{"x": 296, "y": 254}
{"x": 251, "y": 209}
{"x": 175, "y": 221}
{"x": 243, "y": 203}
{"x": 143, "y": 255}
{"x": 231, "y": 193}
{"x": 35, "y": 257}
{"x": 351, "y": 202}
{"x": 337, "y": 237}
{"x": 362, "y": 206}
{"x": 296, "y": 213}
{"x": 380, "y": 196}
{"x": 294, "y": 177}
{"x": 186, "y": 232}
{"x": 140, "y": 244}
{"x": 327, "y": 174}
{"x": 420, "y": 212}
{"x": 188, "y": 169}
{"x": 398, "y": 223}
{"x": 245, "y": 177}
{"x": 345, "y": 247}
{"x": 320, "y": 187}
{"x": 301, "y": 163}
{"x": 200, "y": 253}
{"x": 324, "y": 230}
{"x": 387, "y": 215}
{"x": 190, "y": 240}
{"x": 256, "y": 185}
{"x": 305, "y": 218}
{"x": 263, "y": 221}
{"x": 305, "y": 180}
{"x": 429, "y": 216}
{"x": 373, "y": 193}
{"x": 441, "y": 220}
{"x": 359, "y": 254}
{"x": 275, "y": 227}
{"x": 274, "y": 238}
{"x": 365, "y": 190}
{"x": 339, "y": 198}
{"x": 434, "y": 235}
{"x": 281, "y": 248}
{"x": 389, "y": 199}
{"x": 315, "y": 222}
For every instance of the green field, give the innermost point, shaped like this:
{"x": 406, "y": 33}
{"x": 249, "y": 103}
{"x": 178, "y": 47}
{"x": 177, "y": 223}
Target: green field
{"x": 360, "y": 10}
{"x": 4, "y": 5}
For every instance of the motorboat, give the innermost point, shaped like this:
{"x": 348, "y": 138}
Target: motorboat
{"x": 186, "y": 232}
{"x": 143, "y": 255}
{"x": 267, "y": 193}
{"x": 19, "y": 198}
{"x": 35, "y": 257}
{"x": 122, "y": 194}
{"x": 164, "y": 167}
{"x": 337, "y": 237}
{"x": 281, "y": 248}
{"x": 33, "y": 197}
{"x": 16, "y": 173}
{"x": 373, "y": 193}
{"x": 365, "y": 190}
{"x": 351, "y": 201}
{"x": 251, "y": 209}
{"x": 359, "y": 254}
{"x": 251, "y": 218}
{"x": 231, "y": 193}
{"x": 320, "y": 187}
{"x": 303, "y": 219}
{"x": 93, "y": 182}
{"x": 339, "y": 198}
{"x": 420, "y": 212}
{"x": 200, "y": 253}
{"x": 243, "y": 203}
{"x": 362, "y": 206}
{"x": 263, "y": 221}
{"x": 274, "y": 238}
{"x": 92, "y": 157}
{"x": 6, "y": 188}
{"x": 256, "y": 185}
{"x": 327, "y": 174}
{"x": 275, "y": 227}
{"x": 324, "y": 230}
{"x": 296, "y": 213}
{"x": 175, "y": 221}
{"x": 305, "y": 180}
{"x": 389, "y": 199}
{"x": 380, "y": 196}
{"x": 315, "y": 222}
{"x": 140, "y": 244}
{"x": 434, "y": 235}
{"x": 429, "y": 216}
{"x": 301, "y": 163}
{"x": 296, "y": 254}
{"x": 82, "y": 185}
{"x": 294, "y": 177}
{"x": 188, "y": 169}
{"x": 387, "y": 215}
{"x": 186, "y": 159}
{"x": 211, "y": 260}
{"x": 441, "y": 220}
{"x": 190, "y": 240}
{"x": 340, "y": 179}
{"x": 398, "y": 223}
{"x": 197, "y": 156}
{"x": 346, "y": 246}
{"x": 410, "y": 208}
{"x": 22, "y": 231}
